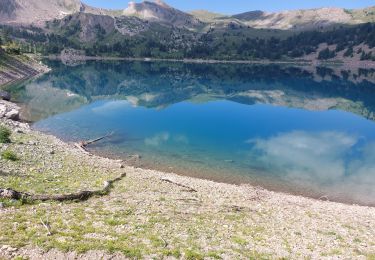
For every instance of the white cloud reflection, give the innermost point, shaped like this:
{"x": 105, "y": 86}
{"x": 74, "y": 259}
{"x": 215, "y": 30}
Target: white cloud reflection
{"x": 320, "y": 159}
{"x": 164, "y": 137}
{"x": 316, "y": 154}
{"x": 157, "y": 139}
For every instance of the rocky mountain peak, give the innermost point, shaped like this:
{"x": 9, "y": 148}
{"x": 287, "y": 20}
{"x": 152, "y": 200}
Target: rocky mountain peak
{"x": 159, "y": 11}
{"x": 162, "y": 3}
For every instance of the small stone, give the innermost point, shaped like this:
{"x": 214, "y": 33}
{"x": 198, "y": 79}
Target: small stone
{"x": 52, "y": 152}
{"x": 19, "y": 131}
{"x": 11, "y": 249}
{"x": 2, "y": 205}
{"x": 9, "y": 194}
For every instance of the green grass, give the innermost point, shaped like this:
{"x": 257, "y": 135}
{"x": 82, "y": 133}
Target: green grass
{"x": 9, "y": 155}
{"x": 4, "y": 135}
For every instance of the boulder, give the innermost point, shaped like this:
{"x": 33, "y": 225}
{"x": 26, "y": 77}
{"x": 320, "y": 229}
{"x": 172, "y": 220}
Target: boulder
{"x": 4, "y": 95}
{"x": 12, "y": 114}
{"x": 9, "y": 110}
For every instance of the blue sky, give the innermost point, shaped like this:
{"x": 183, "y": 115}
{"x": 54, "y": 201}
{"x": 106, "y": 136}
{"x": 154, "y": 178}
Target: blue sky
{"x": 238, "y": 6}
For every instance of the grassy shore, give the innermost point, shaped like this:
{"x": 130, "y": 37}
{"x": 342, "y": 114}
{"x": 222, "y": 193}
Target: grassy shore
{"x": 150, "y": 214}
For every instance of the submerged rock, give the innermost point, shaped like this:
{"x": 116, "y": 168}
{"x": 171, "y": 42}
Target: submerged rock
{"x": 4, "y": 95}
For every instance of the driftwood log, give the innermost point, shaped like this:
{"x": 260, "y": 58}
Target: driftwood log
{"x": 83, "y": 144}
{"x": 81, "y": 195}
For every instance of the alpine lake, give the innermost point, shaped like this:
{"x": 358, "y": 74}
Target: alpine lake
{"x": 302, "y": 130}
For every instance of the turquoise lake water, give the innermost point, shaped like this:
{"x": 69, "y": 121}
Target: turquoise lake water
{"x": 307, "y": 131}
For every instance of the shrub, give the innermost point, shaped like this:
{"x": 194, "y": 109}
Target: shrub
{"x": 4, "y": 135}
{"x": 9, "y": 155}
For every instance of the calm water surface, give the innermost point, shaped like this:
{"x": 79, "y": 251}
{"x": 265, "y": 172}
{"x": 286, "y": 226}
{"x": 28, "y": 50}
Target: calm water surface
{"x": 307, "y": 131}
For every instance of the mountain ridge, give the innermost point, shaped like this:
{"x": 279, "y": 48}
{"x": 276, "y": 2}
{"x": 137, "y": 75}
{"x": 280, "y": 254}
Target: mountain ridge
{"x": 157, "y": 30}
{"x": 37, "y": 12}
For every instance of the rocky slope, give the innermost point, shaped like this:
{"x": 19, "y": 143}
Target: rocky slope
{"x": 36, "y": 11}
{"x": 297, "y": 20}
{"x": 86, "y": 26}
{"x": 13, "y": 69}
{"x": 310, "y": 19}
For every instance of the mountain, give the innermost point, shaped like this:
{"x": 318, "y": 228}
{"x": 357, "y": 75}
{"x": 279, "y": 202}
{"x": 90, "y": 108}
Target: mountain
{"x": 157, "y": 30}
{"x": 206, "y": 16}
{"x": 159, "y": 11}
{"x": 36, "y": 11}
{"x": 299, "y": 20}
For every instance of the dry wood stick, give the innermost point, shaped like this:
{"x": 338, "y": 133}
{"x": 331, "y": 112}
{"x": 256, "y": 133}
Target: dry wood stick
{"x": 81, "y": 195}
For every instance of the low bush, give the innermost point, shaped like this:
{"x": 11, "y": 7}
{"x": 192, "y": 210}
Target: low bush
{"x": 4, "y": 135}
{"x": 9, "y": 155}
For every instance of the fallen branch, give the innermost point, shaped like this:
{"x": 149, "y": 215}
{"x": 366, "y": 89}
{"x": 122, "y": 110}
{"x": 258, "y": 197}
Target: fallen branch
{"x": 81, "y": 196}
{"x": 83, "y": 144}
{"x": 86, "y": 143}
{"x": 189, "y": 189}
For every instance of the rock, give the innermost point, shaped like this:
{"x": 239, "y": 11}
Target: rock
{"x": 72, "y": 57}
{"x": 11, "y": 249}
{"x": 3, "y": 110}
{"x": 2, "y": 205}
{"x": 19, "y": 131}
{"x": 12, "y": 114}
{"x": 52, "y": 152}
{"x": 9, "y": 194}
{"x": 4, "y": 95}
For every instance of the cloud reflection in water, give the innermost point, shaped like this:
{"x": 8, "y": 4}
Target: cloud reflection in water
{"x": 331, "y": 161}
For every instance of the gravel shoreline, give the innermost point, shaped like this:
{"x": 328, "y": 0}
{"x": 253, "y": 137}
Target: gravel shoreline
{"x": 152, "y": 214}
